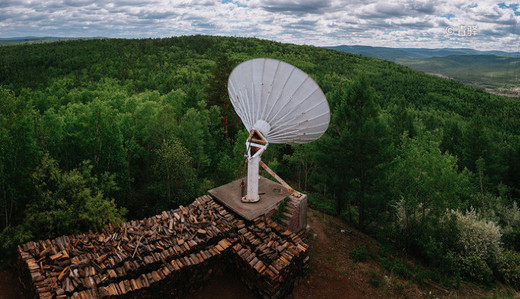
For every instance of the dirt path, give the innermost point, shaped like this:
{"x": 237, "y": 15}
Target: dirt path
{"x": 323, "y": 280}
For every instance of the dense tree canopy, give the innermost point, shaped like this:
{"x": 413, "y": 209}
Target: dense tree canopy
{"x": 95, "y": 130}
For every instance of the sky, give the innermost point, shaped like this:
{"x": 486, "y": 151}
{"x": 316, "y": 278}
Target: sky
{"x": 481, "y": 25}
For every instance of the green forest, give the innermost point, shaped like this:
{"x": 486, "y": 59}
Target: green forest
{"x": 101, "y": 131}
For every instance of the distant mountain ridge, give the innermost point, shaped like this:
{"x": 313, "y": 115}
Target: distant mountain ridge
{"x": 32, "y": 38}
{"x": 36, "y": 39}
{"x": 392, "y": 54}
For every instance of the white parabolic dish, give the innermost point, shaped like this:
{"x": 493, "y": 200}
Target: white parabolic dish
{"x": 287, "y": 99}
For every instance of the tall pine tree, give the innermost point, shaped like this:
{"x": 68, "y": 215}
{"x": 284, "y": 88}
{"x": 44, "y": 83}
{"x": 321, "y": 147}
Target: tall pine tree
{"x": 217, "y": 94}
{"x": 357, "y": 146}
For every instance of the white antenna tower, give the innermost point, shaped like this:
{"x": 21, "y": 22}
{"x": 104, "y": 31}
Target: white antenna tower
{"x": 278, "y": 103}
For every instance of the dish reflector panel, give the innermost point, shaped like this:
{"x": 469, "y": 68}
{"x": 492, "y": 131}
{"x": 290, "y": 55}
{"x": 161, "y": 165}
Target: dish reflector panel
{"x": 283, "y": 96}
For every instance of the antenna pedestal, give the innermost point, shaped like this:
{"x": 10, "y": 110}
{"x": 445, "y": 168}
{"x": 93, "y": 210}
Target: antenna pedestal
{"x": 256, "y": 145}
{"x": 252, "y": 179}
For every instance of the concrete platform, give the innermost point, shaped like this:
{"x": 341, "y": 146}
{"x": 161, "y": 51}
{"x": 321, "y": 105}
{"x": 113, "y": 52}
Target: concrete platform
{"x": 271, "y": 194}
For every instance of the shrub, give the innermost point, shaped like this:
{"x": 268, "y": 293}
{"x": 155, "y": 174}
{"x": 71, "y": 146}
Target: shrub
{"x": 509, "y": 268}
{"x": 375, "y": 280}
{"x": 359, "y": 254}
{"x": 277, "y": 216}
{"x": 438, "y": 251}
{"x": 431, "y": 237}
{"x": 402, "y": 269}
{"x": 479, "y": 245}
{"x": 499, "y": 210}
{"x": 460, "y": 243}
{"x": 475, "y": 268}
{"x": 386, "y": 262}
{"x": 503, "y": 212}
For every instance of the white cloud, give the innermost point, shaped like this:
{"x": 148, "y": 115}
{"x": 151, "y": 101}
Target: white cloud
{"x": 402, "y": 23}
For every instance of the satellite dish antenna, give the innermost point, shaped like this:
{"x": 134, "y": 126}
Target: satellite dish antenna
{"x": 278, "y": 103}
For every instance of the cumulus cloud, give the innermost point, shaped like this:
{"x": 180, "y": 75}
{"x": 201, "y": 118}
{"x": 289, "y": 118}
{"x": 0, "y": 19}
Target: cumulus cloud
{"x": 401, "y": 23}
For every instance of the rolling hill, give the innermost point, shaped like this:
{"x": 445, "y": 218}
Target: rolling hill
{"x": 10, "y": 41}
{"x": 392, "y": 54}
{"x": 495, "y": 71}
{"x": 489, "y": 71}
